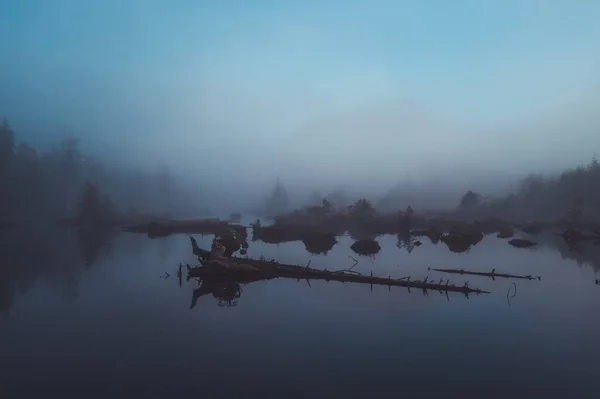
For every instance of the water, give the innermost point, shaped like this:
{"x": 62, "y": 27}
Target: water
{"x": 117, "y": 326}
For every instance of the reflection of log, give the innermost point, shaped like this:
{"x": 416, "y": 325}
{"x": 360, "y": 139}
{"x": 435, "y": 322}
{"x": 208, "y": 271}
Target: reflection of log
{"x": 271, "y": 269}
{"x": 492, "y": 274}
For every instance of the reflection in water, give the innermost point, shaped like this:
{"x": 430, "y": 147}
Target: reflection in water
{"x": 407, "y": 241}
{"x": 522, "y": 243}
{"x": 368, "y": 247}
{"x": 227, "y": 290}
{"x": 585, "y": 252}
{"x": 54, "y": 254}
{"x": 433, "y": 234}
{"x": 320, "y": 243}
{"x": 224, "y": 291}
{"x": 93, "y": 241}
{"x": 426, "y": 341}
{"x": 461, "y": 241}
{"x": 358, "y": 235}
{"x": 59, "y": 255}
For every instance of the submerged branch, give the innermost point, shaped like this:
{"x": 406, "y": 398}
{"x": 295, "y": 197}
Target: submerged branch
{"x": 491, "y": 274}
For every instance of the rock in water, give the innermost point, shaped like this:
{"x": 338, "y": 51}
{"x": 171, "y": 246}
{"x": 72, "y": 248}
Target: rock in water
{"x": 366, "y": 247}
{"x": 521, "y": 243}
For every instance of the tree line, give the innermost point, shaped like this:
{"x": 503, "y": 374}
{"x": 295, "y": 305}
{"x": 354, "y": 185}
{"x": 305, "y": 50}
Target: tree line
{"x": 572, "y": 195}
{"x": 64, "y": 182}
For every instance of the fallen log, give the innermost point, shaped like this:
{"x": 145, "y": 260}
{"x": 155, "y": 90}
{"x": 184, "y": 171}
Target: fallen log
{"x": 266, "y": 270}
{"x": 491, "y": 274}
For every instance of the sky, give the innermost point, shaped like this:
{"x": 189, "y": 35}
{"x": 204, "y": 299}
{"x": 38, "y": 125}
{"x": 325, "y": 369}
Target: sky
{"x": 327, "y": 91}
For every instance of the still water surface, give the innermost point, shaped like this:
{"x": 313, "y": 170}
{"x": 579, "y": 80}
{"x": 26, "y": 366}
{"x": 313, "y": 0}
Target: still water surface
{"x": 116, "y": 326}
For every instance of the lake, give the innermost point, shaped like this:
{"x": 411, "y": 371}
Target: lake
{"x": 90, "y": 320}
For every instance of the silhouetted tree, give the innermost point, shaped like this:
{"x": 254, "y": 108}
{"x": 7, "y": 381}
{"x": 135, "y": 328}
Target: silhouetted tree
{"x": 338, "y": 199}
{"x": 69, "y": 168}
{"x": 279, "y": 201}
{"x": 7, "y": 150}
{"x": 323, "y": 209}
{"x": 326, "y": 205}
{"x": 469, "y": 201}
{"x": 573, "y": 194}
{"x": 362, "y": 209}
{"x": 7, "y": 147}
{"x": 47, "y": 184}
{"x": 95, "y": 208}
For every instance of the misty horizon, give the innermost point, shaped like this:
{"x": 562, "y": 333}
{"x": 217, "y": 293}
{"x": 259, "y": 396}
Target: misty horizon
{"x": 313, "y": 199}
{"x": 320, "y": 95}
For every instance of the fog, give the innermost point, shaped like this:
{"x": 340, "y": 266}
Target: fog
{"x": 436, "y": 97}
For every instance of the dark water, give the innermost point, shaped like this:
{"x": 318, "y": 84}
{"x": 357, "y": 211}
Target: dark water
{"x": 115, "y": 326}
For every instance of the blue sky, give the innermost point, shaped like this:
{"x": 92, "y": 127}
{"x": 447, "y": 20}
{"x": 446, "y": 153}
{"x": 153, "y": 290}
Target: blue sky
{"x": 462, "y": 80}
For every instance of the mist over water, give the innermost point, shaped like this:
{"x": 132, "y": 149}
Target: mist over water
{"x": 424, "y": 116}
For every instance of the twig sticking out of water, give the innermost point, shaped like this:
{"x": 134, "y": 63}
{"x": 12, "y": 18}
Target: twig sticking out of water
{"x": 508, "y": 298}
{"x": 491, "y": 274}
{"x": 179, "y": 274}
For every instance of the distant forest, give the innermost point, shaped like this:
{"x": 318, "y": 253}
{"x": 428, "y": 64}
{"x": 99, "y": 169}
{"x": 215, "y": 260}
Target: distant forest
{"x": 54, "y": 183}
{"x": 38, "y": 185}
{"x": 572, "y": 195}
